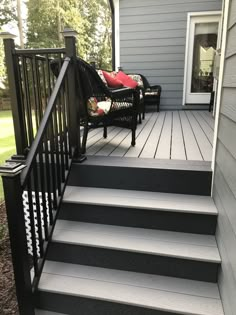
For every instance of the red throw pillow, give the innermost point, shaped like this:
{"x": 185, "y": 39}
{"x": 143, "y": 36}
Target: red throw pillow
{"x": 112, "y": 82}
{"x": 126, "y": 80}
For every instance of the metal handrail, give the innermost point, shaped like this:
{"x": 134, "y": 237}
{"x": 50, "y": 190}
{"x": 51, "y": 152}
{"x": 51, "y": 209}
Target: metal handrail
{"x": 39, "y": 51}
{"x": 44, "y": 123}
{"x": 47, "y": 128}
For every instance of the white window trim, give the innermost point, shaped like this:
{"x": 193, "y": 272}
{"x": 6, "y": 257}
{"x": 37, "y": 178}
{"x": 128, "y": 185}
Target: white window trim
{"x": 192, "y": 14}
{"x": 117, "y": 33}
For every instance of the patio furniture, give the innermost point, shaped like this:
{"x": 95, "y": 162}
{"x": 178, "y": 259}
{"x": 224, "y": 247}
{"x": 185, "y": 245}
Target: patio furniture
{"x": 103, "y": 106}
{"x": 139, "y": 88}
{"x": 151, "y": 93}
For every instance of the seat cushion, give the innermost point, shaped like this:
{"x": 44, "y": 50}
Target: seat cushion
{"x": 152, "y": 93}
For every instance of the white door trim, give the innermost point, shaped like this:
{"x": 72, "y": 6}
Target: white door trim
{"x": 189, "y": 16}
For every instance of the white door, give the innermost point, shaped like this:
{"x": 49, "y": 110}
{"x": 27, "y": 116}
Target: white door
{"x": 200, "y": 52}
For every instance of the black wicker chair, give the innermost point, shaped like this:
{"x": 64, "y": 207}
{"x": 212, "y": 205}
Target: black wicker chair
{"x": 151, "y": 93}
{"x": 124, "y": 106}
{"x": 124, "y": 102}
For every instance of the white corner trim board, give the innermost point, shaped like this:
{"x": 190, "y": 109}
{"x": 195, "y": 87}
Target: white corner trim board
{"x": 220, "y": 82}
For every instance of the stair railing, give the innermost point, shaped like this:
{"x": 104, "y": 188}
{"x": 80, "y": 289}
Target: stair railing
{"x": 31, "y": 83}
{"x": 34, "y": 188}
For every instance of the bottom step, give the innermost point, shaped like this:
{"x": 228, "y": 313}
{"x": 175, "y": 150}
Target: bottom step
{"x": 43, "y": 312}
{"x": 76, "y": 289}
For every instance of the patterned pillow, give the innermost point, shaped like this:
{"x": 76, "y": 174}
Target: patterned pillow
{"x": 100, "y": 73}
{"x": 126, "y": 80}
{"x": 112, "y": 81}
{"x": 93, "y": 108}
{"x": 137, "y": 78}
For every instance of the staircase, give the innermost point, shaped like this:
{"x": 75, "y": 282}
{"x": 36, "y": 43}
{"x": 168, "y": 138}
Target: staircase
{"x": 134, "y": 236}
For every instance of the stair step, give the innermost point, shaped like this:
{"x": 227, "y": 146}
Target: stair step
{"x": 163, "y": 211}
{"x": 163, "y": 243}
{"x": 89, "y": 289}
{"x": 43, "y": 312}
{"x": 170, "y": 176}
{"x": 175, "y": 254}
{"x": 140, "y": 199}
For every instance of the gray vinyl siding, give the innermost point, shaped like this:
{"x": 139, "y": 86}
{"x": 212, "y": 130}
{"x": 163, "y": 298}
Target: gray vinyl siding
{"x": 224, "y": 189}
{"x": 152, "y": 42}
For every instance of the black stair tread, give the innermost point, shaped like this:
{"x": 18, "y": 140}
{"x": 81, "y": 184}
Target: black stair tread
{"x": 140, "y": 200}
{"x": 148, "y": 241}
{"x": 148, "y": 163}
{"x": 43, "y": 312}
{"x": 148, "y": 291}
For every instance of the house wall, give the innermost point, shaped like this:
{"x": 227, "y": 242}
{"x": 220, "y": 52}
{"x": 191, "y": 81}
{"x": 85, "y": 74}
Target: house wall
{"x": 224, "y": 188}
{"x": 153, "y": 38}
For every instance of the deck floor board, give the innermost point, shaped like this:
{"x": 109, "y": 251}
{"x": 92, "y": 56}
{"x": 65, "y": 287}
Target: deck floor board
{"x": 150, "y": 147}
{"x": 203, "y": 142}
{"x": 171, "y": 135}
{"x": 164, "y": 146}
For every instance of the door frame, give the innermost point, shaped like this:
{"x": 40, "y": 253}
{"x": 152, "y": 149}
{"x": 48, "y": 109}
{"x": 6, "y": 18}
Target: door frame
{"x": 188, "y": 34}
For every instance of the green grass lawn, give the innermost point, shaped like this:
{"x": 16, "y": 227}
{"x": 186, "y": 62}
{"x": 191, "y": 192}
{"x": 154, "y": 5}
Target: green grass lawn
{"x": 7, "y": 140}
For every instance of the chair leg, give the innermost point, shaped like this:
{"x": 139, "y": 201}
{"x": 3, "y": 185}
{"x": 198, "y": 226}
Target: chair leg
{"x": 105, "y": 132}
{"x": 85, "y": 135}
{"x": 158, "y": 104}
{"x": 139, "y": 118}
{"x": 134, "y": 126}
{"x": 133, "y": 138}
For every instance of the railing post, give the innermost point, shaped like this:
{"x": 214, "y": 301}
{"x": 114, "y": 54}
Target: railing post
{"x": 16, "y": 104}
{"x": 16, "y": 224}
{"x": 74, "y": 113}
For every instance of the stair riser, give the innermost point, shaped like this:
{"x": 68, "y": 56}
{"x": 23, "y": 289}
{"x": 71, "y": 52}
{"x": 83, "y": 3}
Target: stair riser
{"x": 133, "y": 261}
{"x": 74, "y": 305}
{"x": 145, "y": 179}
{"x": 141, "y": 218}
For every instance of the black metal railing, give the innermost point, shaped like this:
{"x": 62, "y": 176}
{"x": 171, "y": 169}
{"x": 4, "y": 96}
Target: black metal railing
{"x": 34, "y": 186}
{"x": 43, "y": 179}
{"x": 47, "y": 165}
{"x": 30, "y": 75}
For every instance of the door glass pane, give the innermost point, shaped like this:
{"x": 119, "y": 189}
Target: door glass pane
{"x": 205, "y": 41}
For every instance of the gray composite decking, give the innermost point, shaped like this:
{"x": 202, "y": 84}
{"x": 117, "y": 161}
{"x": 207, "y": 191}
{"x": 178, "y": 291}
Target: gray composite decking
{"x": 150, "y": 291}
{"x": 154, "y": 242}
{"x": 172, "y": 135}
{"x": 140, "y": 200}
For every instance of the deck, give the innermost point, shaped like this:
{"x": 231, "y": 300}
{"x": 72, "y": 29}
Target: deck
{"x": 172, "y": 135}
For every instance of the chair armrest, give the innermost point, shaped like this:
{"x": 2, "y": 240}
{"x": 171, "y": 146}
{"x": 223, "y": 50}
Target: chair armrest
{"x": 154, "y": 87}
{"x": 121, "y": 92}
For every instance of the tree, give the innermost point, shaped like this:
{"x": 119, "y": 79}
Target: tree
{"x": 20, "y": 23}
{"x": 7, "y": 12}
{"x": 46, "y": 19}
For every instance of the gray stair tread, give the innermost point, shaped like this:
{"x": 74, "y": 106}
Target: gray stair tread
{"x": 149, "y": 291}
{"x": 140, "y": 199}
{"x": 155, "y": 242}
{"x": 43, "y": 312}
